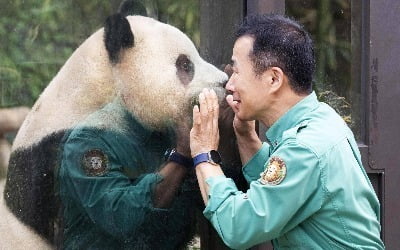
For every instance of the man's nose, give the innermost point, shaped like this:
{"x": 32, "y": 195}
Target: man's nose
{"x": 229, "y": 84}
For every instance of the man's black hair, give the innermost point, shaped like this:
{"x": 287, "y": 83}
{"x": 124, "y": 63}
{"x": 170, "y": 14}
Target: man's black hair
{"x": 281, "y": 42}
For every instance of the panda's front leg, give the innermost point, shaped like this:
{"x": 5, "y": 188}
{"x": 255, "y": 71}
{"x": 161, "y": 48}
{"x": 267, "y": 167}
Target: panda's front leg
{"x": 176, "y": 169}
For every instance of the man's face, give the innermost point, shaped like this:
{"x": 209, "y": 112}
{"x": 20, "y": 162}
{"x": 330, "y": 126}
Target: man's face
{"x": 246, "y": 87}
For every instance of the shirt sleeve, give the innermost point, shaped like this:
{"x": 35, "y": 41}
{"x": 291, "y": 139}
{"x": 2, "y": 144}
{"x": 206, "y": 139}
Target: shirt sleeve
{"x": 112, "y": 200}
{"x": 253, "y": 168}
{"x": 266, "y": 211}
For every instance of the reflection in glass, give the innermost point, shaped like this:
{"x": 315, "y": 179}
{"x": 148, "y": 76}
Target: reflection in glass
{"x": 330, "y": 23}
{"x": 40, "y": 37}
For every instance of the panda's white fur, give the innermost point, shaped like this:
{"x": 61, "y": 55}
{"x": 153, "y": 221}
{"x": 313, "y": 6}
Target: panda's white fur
{"x": 82, "y": 85}
{"x": 161, "y": 86}
{"x": 145, "y": 79}
{"x": 87, "y": 81}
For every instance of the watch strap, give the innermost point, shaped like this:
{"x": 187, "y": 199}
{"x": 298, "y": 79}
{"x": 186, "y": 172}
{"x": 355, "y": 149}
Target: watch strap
{"x": 180, "y": 159}
{"x": 203, "y": 157}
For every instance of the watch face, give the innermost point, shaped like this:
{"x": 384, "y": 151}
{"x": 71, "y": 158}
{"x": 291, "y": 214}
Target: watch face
{"x": 215, "y": 156}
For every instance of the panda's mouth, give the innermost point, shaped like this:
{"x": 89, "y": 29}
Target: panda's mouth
{"x": 194, "y": 99}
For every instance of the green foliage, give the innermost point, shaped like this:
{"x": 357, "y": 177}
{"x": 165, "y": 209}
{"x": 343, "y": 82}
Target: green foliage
{"x": 37, "y": 38}
{"x": 183, "y": 14}
{"x": 329, "y": 23}
{"x": 338, "y": 103}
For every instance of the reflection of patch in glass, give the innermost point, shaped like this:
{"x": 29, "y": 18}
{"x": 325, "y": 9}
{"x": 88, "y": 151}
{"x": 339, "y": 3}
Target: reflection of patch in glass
{"x": 274, "y": 173}
{"x": 95, "y": 163}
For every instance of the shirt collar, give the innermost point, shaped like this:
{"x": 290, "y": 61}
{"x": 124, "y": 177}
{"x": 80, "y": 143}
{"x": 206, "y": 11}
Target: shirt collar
{"x": 291, "y": 118}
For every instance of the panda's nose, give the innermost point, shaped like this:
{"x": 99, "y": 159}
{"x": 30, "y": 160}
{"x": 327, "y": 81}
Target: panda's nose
{"x": 224, "y": 83}
{"x": 229, "y": 71}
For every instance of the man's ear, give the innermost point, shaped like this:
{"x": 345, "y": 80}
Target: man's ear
{"x": 274, "y": 77}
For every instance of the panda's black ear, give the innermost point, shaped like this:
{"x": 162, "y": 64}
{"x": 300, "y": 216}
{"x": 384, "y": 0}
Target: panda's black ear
{"x": 117, "y": 36}
{"x": 131, "y": 7}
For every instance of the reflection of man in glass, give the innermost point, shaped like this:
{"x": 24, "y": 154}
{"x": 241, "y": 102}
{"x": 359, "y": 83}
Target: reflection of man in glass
{"x": 308, "y": 188}
{"x": 116, "y": 189}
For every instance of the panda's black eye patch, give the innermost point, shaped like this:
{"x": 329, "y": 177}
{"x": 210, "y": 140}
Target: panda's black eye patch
{"x": 184, "y": 69}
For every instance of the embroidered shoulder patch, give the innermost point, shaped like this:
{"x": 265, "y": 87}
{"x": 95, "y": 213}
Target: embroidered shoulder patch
{"x": 274, "y": 173}
{"x": 95, "y": 162}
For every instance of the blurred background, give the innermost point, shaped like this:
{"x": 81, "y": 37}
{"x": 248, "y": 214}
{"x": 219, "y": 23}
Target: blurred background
{"x": 37, "y": 37}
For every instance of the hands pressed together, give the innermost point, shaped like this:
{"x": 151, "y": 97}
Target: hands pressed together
{"x": 204, "y": 135}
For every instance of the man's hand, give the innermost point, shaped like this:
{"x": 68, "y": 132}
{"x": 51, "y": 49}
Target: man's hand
{"x": 204, "y": 135}
{"x": 242, "y": 128}
{"x": 246, "y": 135}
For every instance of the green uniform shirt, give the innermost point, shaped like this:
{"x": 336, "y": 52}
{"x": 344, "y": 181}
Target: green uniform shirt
{"x": 313, "y": 194}
{"x": 106, "y": 181}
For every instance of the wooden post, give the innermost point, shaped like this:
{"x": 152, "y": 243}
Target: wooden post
{"x": 5, "y": 150}
{"x": 218, "y": 21}
{"x": 10, "y": 121}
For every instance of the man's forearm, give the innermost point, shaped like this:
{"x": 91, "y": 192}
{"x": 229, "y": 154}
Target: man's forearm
{"x": 204, "y": 171}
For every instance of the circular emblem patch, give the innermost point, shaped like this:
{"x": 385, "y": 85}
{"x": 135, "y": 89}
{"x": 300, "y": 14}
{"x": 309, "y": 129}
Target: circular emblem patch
{"x": 275, "y": 172}
{"x": 95, "y": 163}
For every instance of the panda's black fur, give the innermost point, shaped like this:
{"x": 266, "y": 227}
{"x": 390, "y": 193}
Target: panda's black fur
{"x": 33, "y": 170}
{"x": 117, "y": 36}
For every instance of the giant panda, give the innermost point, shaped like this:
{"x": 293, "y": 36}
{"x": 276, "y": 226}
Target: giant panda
{"x": 151, "y": 69}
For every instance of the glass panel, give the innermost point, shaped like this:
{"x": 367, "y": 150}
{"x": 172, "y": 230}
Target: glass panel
{"x": 38, "y": 37}
{"x": 336, "y": 35}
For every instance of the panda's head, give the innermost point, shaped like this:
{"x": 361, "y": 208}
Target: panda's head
{"x": 157, "y": 69}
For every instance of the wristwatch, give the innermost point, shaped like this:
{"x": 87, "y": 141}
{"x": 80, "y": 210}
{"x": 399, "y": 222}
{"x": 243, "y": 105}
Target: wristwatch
{"x": 172, "y": 155}
{"x": 212, "y": 157}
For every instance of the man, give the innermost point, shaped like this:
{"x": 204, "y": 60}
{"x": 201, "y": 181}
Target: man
{"x": 308, "y": 188}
